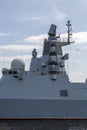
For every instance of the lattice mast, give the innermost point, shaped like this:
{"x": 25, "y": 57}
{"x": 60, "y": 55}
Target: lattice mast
{"x": 69, "y": 25}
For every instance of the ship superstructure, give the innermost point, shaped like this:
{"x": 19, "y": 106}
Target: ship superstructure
{"x": 45, "y": 90}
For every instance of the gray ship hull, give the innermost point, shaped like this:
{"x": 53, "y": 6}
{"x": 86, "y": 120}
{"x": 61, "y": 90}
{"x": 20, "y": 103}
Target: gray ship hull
{"x": 52, "y": 109}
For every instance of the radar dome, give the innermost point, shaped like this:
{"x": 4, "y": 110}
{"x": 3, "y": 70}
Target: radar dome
{"x": 18, "y": 64}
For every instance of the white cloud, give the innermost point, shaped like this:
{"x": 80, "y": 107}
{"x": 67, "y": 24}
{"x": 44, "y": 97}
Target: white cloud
{"x": 77, "y": 76}
{"x": 35, "y": 39}
{"x": 5, "y": 34}
{"x": 19, "y": 47}
{"x": 80, "y": 37}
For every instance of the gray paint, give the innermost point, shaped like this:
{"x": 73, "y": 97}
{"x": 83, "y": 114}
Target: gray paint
{"x": 36, "y": 95}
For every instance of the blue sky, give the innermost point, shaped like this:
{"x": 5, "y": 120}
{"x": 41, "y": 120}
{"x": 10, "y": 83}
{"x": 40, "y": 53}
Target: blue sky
{"x": 24, "y": 24}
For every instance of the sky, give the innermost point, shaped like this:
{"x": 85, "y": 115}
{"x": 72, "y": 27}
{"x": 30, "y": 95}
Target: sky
{"x": 24, "y": 24}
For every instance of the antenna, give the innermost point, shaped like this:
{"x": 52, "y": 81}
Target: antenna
{"x": 69, "y": 25}
{"x": 52, "y": 30}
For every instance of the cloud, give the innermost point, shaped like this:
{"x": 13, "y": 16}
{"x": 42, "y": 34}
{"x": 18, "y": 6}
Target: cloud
{"x": 35, "y": 39}
{"x": 31, "y": 42}
{"x": 26, "y": 45}
{"x": 18, "y": 47}
{"x": 80, "y": 37}
{"x": 77, "y": 77}
{"x": 4, "y": 34}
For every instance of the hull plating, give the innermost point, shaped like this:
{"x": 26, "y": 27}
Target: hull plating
{"x": 24, "y": 108}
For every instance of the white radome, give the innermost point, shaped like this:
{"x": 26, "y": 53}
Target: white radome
{"x": 18, "y": 64}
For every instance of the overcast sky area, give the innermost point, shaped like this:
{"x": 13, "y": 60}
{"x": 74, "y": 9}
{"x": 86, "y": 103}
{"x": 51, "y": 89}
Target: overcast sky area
{"x": 24, "y": 25}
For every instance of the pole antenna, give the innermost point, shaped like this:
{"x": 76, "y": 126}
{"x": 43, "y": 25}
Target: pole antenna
{"x": 69, "y": 25}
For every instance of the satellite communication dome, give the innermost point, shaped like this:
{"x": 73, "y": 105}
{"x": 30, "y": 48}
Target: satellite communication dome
{"x": 18, "y": 64}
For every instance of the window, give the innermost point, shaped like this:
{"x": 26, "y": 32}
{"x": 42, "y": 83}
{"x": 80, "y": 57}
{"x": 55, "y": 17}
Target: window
{"x": 9, "y": 72}
{"x": 63, "y": 93}
{"x": 14, "y": 72}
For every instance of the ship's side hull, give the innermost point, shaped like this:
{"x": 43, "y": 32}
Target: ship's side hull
{"x": 43, "y": 108}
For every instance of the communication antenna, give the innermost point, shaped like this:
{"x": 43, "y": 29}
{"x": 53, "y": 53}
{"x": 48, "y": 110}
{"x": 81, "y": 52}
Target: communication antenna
{"x": 69, "y": 25}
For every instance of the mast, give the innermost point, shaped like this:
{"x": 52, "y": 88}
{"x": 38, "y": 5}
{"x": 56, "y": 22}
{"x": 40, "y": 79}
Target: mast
{"x": 69, "y": 25}
{"x": 58, "y": 41}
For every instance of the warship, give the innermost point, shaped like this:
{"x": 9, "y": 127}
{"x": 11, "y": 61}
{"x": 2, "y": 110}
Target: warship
{"x": 45, "y": 91}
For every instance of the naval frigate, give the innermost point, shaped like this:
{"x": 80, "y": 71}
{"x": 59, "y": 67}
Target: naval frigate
{"x": 45, "y": 91}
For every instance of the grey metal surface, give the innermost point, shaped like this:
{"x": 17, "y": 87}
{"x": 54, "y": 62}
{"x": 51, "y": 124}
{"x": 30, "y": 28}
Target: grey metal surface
{"x": 54, "y": 109}
{"x": 45, "y": 90}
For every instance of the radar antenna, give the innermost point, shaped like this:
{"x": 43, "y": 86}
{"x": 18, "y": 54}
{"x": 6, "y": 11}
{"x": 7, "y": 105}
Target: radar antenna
{"x": 52, "y": 30}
